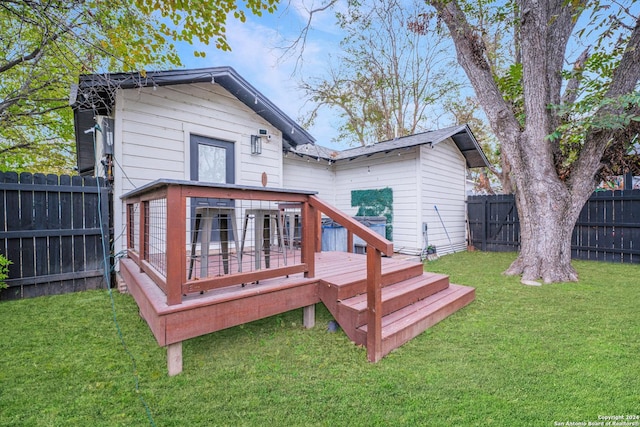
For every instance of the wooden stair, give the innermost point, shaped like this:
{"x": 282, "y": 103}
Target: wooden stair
{"x": 412, "y": 301}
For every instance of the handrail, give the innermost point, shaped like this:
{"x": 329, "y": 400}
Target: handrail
{"x": 365, "y": 233}
{"x": 195, "y": 188}
{"x": 376, "y": 246}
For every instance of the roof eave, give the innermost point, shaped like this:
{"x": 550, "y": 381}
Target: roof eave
{"x": 226, "y": 77}
{"x": 472, "y": 161}
{"x": 484, "y": 162}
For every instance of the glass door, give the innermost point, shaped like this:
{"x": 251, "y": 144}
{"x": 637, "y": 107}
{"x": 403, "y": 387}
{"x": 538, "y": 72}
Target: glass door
{"x": 212, "y": 161}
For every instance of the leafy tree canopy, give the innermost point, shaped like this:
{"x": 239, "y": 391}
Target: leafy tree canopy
{"x": 45, "y": 45}
{"x": 565, "y": 109}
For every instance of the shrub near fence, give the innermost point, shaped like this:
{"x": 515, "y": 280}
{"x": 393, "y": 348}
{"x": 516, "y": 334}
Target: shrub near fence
{"x": 51, "y": 232}
{"x": 608, "y": 228}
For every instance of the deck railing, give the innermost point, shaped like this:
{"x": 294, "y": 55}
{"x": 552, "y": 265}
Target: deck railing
{"x": 376, "y": 247}
{"x": 191, "y": 237}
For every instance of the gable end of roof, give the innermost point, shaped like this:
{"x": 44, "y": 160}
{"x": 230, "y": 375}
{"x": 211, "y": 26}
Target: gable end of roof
{"x": 95, "y": 95}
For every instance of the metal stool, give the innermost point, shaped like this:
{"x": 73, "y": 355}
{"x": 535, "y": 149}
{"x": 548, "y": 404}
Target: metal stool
{"x": 290, "y": 215}
{"x": 263, "y": 220}
{"x": 205, "y": 216}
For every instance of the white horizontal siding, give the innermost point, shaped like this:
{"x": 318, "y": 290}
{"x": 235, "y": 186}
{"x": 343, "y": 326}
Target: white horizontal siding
{"x": 306, "y": 174}
{"x": 152, "y": 140}
{"x": 152, "y": 134}
{"x": 378, "y": 172}
{"x": 443, "y": 171}
{"x": 158, "y": 123}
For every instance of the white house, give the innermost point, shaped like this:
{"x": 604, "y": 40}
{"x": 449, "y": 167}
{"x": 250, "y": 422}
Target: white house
{"x": 418, "y": 182}
{"x": 204, "y": 124}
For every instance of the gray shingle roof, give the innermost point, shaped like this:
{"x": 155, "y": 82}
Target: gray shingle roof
{"x": 461, "y": 136}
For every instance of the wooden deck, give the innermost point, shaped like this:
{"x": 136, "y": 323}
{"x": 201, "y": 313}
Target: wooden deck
{"x": 185, "y": 288}
{"x": 411, "y": 299}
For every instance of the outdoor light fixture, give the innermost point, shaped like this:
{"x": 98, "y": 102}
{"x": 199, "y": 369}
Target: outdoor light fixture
{"x": 256, "y": 144}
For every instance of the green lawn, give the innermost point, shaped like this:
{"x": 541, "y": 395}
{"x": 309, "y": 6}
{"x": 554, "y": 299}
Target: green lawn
{"x": 517, "y": 356}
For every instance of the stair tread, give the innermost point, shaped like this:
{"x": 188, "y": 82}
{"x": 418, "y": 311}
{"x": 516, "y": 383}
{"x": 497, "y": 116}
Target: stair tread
{"x": 351, "y": 272}
{"x": 349, "y": 278}
{"x": 359, "y": 302}
{"x": 400, "y": 319}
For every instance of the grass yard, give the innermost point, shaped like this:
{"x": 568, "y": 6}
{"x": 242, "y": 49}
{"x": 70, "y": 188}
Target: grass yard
{"x": 517, "y": 356}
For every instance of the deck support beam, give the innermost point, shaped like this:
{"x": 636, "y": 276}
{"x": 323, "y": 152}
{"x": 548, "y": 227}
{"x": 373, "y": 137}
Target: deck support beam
{"x": 309, "y": 316}
{"x": 174, "y": 358}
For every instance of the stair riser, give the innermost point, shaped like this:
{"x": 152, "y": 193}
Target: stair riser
{"x": 398, "y": 302}
{"x": 408, "y": 334}
{"x": 411, "y": 331}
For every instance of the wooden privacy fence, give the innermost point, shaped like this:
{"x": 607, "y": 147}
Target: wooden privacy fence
{"x": 54, "y": 230}
{"x": 608, "y": 228}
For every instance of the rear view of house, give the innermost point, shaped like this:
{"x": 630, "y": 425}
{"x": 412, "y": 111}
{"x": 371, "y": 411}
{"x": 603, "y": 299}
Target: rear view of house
{"x": 217, "y": 203}
{"x": 135, "y": 129}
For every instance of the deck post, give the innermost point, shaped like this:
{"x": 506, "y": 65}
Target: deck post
{"x": 309, "y": 316}
{"x": 374, "y": 304}
{"x": 318, "y": 230}
{"x": 174, "y": 358}
{"x": 129, "y": 225}
{"x": 144, "y": 233}
{"x": 309, "y": 238}
{"x": 176, "y": 239}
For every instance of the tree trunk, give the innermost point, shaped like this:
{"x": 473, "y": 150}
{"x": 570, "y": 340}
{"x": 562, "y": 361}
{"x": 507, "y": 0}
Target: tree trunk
{"x": 546, "y": 226}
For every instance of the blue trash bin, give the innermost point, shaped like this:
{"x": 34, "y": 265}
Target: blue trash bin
{"x": 334, "y": 236}
{"x": 376, "y": 223}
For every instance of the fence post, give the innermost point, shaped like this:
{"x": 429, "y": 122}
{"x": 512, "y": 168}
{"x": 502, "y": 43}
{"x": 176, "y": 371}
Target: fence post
{"x": 485, "y": 224}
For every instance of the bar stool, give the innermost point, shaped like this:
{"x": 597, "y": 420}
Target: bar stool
{"x": 205, "y": 216}
{"x": 290, "y": 215}
{"x": 263, "y": 223}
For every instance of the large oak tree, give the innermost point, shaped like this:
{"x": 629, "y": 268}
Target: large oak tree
{"x": 564, "y": 133}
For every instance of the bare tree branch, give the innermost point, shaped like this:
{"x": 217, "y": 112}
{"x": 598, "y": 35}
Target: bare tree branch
{"x": 471, "y": 56}
{"x": 573, "y": 85}
{"x": 300, "y": 42}
{"x": 16, "y": 147}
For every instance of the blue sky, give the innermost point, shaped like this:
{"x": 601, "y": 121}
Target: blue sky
{"x": 256, "y": 57}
